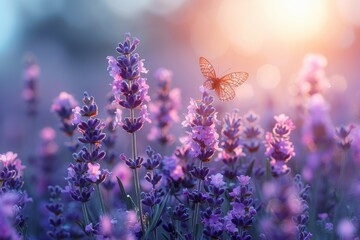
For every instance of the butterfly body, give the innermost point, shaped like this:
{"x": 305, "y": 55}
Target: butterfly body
{"x": 224, "y": 86}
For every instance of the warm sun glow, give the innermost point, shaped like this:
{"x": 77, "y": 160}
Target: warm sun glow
{"x": 296, "y": 19}
{"x": 248, "y": 24}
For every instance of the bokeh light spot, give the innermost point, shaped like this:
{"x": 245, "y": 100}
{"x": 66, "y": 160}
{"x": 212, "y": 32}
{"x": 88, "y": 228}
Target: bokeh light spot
{"x": 268, "y": 76}
{"x": 338, "y": 83}
{"x": 245, "y": 92}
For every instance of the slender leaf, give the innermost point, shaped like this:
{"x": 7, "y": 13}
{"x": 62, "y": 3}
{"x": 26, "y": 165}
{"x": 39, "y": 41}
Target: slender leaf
{"x": 123, "y": 194}
{"x": 157, "y": 214}
{"x": 249, "y": 170}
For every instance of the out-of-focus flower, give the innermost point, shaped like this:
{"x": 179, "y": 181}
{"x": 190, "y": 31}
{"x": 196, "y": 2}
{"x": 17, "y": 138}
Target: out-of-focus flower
{"x": 177, "y": 173}
{"x": 252, "y": 133}
{"x": 343, "y": 136}
{"x": 164, "y": 108}
{"x": 56, "y": 220}
{"x": 7, "y": 213}
{"x": 279, "y": 149}
{"x": 121, "y": 171}
{"x": 30, "y": 91}
{"x": 282, "y": 203}
{"x": 231, "y": 139}
{"x": 63, "y": 106}
{"x": 311, "y": 78}
{"x": 346, "y": 229}
{"x": 217, "y": 180}
{"x": 11, "y": 181}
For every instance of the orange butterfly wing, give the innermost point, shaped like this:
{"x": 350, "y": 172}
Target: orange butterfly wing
{"x": 225, "y": 92}
{"x": 207, "y": 69}
{"x": 235, "y": 79}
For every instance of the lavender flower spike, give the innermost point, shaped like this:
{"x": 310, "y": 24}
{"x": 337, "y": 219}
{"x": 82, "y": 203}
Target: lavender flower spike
{"x": 201, "y": 118}
{"x": 164, "y": 108}
{"x": 130, "y": 92}
{"x": 279, "y": 149}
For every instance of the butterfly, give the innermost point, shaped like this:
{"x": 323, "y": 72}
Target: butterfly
{"x": 224, "y": 86}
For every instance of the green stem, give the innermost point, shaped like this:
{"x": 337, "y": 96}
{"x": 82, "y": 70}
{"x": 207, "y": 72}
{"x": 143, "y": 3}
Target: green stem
{"x": 196, "y": 210}
{"x": 84, "y": 210}
{"x": 86, "y": 216}
{"x": 98, "y": 190}
{"x": 339, "y": 189}
{"x": 136, "y": 173}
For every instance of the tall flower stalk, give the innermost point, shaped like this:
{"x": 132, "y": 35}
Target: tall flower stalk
{"x": 85, "y": 175}
{"x": 164, "y": 108}
{"x": 130, "y": 92}
{"x": 203, "y": 141}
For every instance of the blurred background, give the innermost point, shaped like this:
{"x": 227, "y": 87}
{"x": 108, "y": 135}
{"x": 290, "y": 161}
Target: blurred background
{"x": 70, "y": 41}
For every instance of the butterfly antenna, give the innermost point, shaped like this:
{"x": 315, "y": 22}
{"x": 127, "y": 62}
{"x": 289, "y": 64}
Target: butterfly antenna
{"x": 227, "y": 70}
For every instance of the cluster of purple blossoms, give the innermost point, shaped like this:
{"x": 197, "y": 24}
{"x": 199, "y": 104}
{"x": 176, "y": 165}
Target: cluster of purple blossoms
{"x": 302, "y": 219}
{"x": 231, "y": 144}
{"x": 202, "y": 142}
{"x": 63, "y": 106}
{"x": 84, "y": 175}
{"x": 211, "y": 217}
{"x": 279, "y": 149}
{"x": 7, "y": 213}
{"x": 120, "y": 225}
{"x": 241, "y": 217}
{"x": 318, "y": 136}
{"x": 30, "y": 94}
{"x": 311, "y": 78}
{"x": 202, "y": 118}
{"x": 130, "y": 90}
{"x": 164, "y": 108}
{"x": 57, "y": 223}
{"x": 47, "y": 153}
{"x": 252, "y": 133}
{"x": 11, "y": 183}
{"x": 283, "y": 204}
{"x": 343, "y": 136}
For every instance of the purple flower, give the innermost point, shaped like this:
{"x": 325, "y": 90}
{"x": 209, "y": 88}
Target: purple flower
{"x": 10, "y": 160}
{"x": 30, "y": 94}
{"x": 279, "y": 149}
{"x": 311, "y": 78}
{"x": 346, "y": 229}
{"x": 85, "y": 172}
{"x": 56, "y": 220}
{"x": 243, "y": 211}
{"x": 252, "y": 133}
{"x": 231, "y": 139}
{"x": 63, "y": 106}
{"x": 129, "y": 88}
{"x": 94, "y": 172}
{"x": 282, "y": 204}
{"x": 7, "y": 213}
{"x": 121, "y": 171}
{"x": 201, "y": 118}
{"x": 343, "y": 136}
{"x": 217, "y": 180}
{"x": 164, "y": 108}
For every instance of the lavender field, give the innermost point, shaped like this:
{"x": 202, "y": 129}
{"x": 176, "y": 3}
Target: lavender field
{"x": 180, "y": 120}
